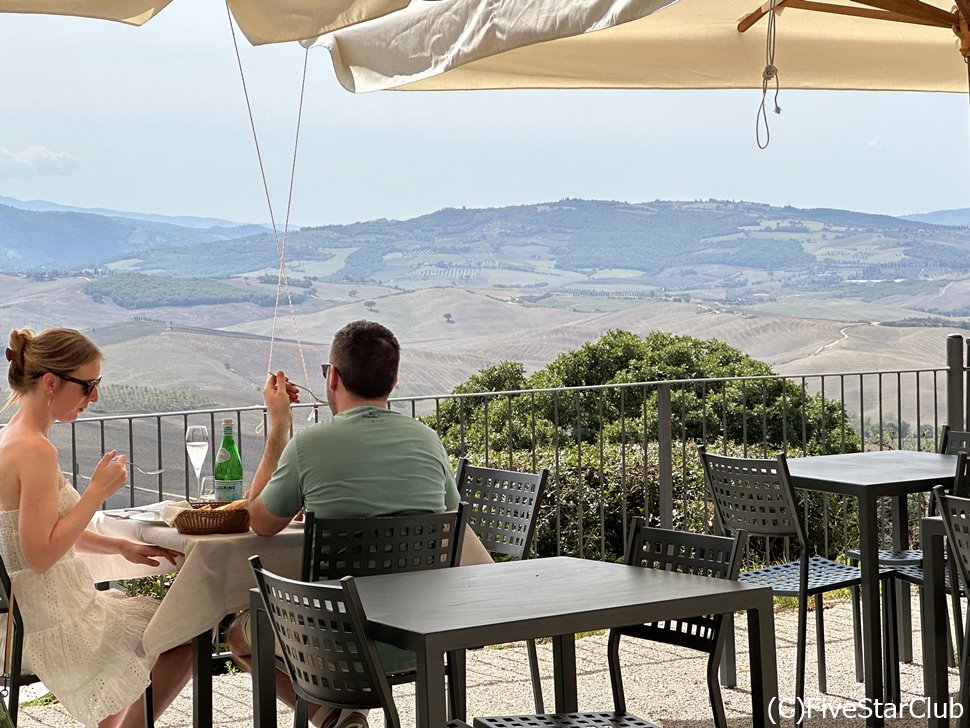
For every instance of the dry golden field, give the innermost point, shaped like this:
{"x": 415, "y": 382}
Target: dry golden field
{"x": 223, "y": 352}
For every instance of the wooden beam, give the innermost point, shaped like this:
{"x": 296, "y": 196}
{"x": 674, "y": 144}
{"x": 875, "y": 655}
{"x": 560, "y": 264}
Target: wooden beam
{"x": 751, "y": 18}
{"x": 964, "y": 6}
{"x": 913, "y": 8}
{"x": 757, "y": 14}
{"x": 862, "y": 12}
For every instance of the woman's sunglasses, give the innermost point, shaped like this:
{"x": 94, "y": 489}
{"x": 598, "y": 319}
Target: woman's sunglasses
{"x": 88, "y": 386}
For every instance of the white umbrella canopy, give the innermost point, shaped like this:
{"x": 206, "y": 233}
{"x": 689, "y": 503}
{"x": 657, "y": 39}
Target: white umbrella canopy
{"x": 261, "y": 21}
{"x": 693, "y": 44}
{"x": 433, "y": 37}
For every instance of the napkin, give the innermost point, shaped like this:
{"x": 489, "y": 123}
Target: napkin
{"x": 172, "y": 509}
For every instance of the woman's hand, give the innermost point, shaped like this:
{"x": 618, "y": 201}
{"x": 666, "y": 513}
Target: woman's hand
{"x": 109, "y": 475}
{"x": 142, "y": 553}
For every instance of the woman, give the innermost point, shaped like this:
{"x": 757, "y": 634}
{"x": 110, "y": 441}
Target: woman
{"x": 84, "y": 644}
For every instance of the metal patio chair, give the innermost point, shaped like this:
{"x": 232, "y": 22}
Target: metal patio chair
{"x": 337, "y": 547}
{"x": 756, "y": 496}
{"x": 13, "y": 678}
{"x": 503, "y": 505}
{"x": 909, "y": 566}
{"x": 955, "y": 511}
{"x": 913, "y": 575}
{"x": 655, "y": 548}
{"x": 329, "y": 654}
{"x": 691, "y": 553}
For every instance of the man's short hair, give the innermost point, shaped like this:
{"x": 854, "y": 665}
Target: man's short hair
{"x": 367, "y": 356}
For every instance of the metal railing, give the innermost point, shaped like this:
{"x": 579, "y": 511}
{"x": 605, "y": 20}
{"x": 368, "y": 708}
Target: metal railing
{"x": 615, "y": 451}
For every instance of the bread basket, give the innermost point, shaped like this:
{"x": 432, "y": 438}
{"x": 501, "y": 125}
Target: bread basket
{"x": 203, "y": 520}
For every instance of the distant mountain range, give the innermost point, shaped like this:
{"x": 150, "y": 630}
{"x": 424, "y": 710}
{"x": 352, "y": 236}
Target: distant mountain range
{"x": 576, "y": 244}
{"x": 944, "y": 217}
{"x": 32, "y": 239}
{"x": 182, "y": 220}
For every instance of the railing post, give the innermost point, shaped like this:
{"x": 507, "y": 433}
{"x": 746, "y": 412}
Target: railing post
{"x": 966, "y": 382}
{"x": 954, "y": 382}
{"x": 665, "y": 461}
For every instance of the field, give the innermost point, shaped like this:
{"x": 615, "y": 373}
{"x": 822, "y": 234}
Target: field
{"x": 209, "y": 356}
{"x": 221, "y": 353}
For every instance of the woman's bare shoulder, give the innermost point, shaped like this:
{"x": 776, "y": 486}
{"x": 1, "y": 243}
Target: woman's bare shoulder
{"x": 24, "y": 457}
{"x": 18, "y": 445}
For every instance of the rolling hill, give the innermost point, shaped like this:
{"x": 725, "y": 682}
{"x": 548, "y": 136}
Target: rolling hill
{"x": 806, "y": 290}
{"x": 70, "y": 240}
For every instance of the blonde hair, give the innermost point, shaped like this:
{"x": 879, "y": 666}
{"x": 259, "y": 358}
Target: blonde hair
{"x": 32, "y": 355}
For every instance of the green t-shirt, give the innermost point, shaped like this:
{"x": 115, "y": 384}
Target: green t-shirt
{"x": 367, "y": 461}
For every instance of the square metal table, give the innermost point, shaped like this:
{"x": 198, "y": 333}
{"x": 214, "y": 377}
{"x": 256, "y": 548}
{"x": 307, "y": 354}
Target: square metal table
{"x": 868, "y": 476}
{"x": 446, "y": 610}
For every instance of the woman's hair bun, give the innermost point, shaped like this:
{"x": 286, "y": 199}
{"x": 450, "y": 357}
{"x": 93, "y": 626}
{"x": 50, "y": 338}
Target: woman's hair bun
{"x": 19, "y": 339}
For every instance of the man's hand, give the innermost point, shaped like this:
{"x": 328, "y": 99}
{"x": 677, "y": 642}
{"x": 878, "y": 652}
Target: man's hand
{"x": 141, "y": 553}
{"x": 278, "y": 395}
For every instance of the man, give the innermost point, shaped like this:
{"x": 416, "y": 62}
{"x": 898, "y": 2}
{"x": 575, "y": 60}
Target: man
{"x": 366, "y": 461}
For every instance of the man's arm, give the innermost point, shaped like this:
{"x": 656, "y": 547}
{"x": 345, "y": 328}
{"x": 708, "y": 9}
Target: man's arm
{"x": 263, "y": 521}
{"x": 278, "y": 395}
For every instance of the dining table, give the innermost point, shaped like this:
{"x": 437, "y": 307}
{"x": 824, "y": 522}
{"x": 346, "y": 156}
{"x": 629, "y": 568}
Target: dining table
{"x": 867, "y": 477}
{"x": 441, "y": 611}
{"x": 213, "y": 580}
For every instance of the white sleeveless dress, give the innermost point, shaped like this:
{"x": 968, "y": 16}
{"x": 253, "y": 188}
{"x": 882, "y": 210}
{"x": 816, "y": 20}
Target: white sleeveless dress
{"x": 84, "y": 644}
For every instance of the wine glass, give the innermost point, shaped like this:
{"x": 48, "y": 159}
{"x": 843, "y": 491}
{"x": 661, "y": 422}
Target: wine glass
{"x": 207, "y": 488}
{"x": 197, "y": 447}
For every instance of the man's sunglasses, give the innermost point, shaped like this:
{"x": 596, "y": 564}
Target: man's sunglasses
{"x": 88, "y": 386}
{"x": 326, "y": 370}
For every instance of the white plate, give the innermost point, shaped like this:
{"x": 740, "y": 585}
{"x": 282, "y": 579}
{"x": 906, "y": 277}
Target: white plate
{"x": 147, "y": 517}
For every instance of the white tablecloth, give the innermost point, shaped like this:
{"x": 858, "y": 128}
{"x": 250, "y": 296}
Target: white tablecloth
{"x": 213, "y": 580}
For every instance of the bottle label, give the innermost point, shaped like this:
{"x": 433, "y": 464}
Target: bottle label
{"x": 228, "y": 491}
{"x": 222, "y": 455}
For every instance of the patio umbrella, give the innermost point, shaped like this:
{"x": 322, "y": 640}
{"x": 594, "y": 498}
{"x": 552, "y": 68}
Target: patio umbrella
{"x": 898, "y": 45}
{"x": 261, "y": 21}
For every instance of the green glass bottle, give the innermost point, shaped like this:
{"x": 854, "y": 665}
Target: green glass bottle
{"x": 228, "y": 471}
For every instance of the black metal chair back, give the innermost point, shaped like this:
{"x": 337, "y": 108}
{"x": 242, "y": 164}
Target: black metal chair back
{"x": 338, "y": 547}
{"x": 961, "y": 480}
{"x": 691, "y": 553}
{"x": 12, "y": 677}
{"x": 328, "y": 652}
{"x": 955, "y": 511}
{"x": 503, "y": 506}
{"x": 753, "y": 495}
{"x": 954, "y": 441}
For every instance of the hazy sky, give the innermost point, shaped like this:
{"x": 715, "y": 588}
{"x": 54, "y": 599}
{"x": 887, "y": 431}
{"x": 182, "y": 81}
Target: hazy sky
{"x": 153, "y": 119}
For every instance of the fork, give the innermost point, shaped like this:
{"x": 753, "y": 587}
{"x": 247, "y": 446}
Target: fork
{"x": 159, "y": 471}
{"x": 305, "y": 389}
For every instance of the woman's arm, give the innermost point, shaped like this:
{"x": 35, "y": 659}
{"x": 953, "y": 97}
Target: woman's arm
{"x": 90, "y": 542}
{"x": 45, "y": 535}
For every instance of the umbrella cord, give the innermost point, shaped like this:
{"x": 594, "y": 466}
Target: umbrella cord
{"x": 282, "y": 282}
{"x": 769, "y": 73}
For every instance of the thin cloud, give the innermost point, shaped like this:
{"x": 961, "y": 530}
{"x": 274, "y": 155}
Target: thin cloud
{"x": 877, "y": 144}
{"x": 35, "y": 161}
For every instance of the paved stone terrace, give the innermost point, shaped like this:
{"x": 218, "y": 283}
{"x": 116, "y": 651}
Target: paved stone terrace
{"x": 664, "y": 684}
